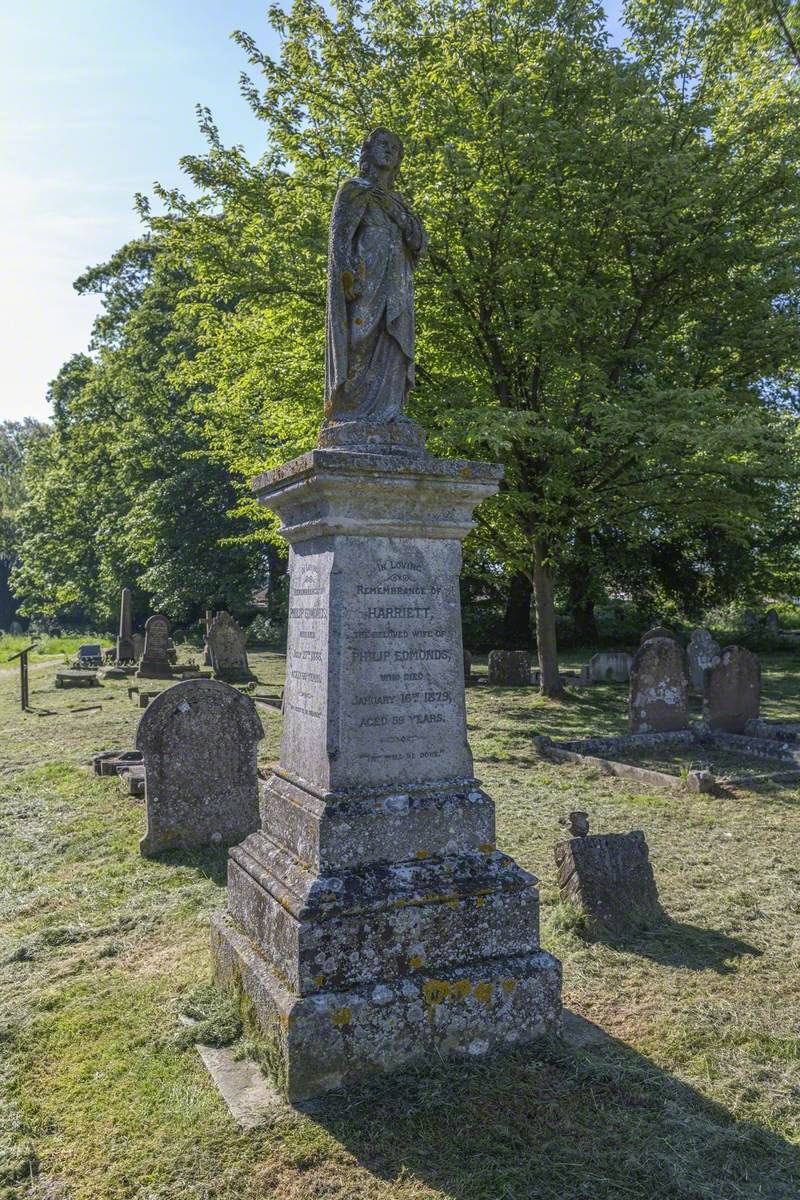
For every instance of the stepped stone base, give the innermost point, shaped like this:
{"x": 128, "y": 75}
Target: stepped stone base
{"x": 332, "y": 1038}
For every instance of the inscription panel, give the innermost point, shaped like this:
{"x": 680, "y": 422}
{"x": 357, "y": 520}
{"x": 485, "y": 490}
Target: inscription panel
{"x": 305, "y": 723}
{"x": 401, "y": 715}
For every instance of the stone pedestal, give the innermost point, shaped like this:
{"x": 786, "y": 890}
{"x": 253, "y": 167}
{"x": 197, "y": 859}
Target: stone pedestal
{"x": 371, "y": 921}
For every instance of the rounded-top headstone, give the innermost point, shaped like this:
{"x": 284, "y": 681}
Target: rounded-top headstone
{"x": 659, "y": 692}
{"x": 658, "y": 631}
{"x": 199, "y": 741}
{"x": 732, "y": 690}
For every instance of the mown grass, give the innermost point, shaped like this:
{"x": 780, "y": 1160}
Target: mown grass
{"x": 691, "y": 1090}
{"x": 49, "y": 647}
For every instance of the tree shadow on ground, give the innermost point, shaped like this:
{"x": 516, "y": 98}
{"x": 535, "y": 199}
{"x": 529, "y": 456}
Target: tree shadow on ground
{"x": 676, "y": 944}
{"x": 588, "y": 1118}
{"x": 211, "y": 861}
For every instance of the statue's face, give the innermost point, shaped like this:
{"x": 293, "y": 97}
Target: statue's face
{"x": 385, "y": 150}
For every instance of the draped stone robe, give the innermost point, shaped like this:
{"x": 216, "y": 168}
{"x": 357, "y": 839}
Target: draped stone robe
{"x": 375, "y": 242}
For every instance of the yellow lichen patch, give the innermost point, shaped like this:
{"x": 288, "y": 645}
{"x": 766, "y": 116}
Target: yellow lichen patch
{"x": 435, "y": 990}
{"x": 319, "y": 980}
{"x": 422, "y": 854}
{"x": 341, "y": 1016}
{"x": 479, "y": 900}
{"x": 508, "y": 985}
{"x": 415, "y": 961}
{"x": 483, "y": 992}
{"x": 486, "y": 847}
{"x": 461, "y": 988}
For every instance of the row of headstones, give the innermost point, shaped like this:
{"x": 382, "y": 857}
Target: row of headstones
{"x": 659, "y": 686}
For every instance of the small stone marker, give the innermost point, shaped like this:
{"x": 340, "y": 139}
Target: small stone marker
{"x": 199, "y": 740}
{"x": 772, "y": 622}
{"x": 609, "y": 666}
{"x": 226, "y": 645}
{"x": 609, "y": 877}
{"x": 124, "y": 640}
{"x": 659, "y": 691}
{"x": 137, "y": 639}
{"x": 509, "y": 668}
{"x": 732, "y": 694}
{"x": 658, "y": 631}
{"x": 90, "y": 655}
{"x": 702, "y": 652}
{"x": 155, "y": 662}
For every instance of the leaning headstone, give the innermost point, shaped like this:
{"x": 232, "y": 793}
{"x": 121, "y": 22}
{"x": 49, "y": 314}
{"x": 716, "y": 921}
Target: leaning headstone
{"x": 701, "y": 653}
{"x": 659, "y": 690}
{"x": 372, "y": 923}
{"x": 124, "y": 639}
{"x": 732, "y": 694}
{"x": 509, "y": 668}
{"x": 658, "y": 631}
{"x": 226, "y": 645}
{"x": 609, "y": 877}
{"x": 772, "y": 623}
{"x": 154, "y": 663}
{"x": 609, "y": 666}
{"x": 198, "y": 741}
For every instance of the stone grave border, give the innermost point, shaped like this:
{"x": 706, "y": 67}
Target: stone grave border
{"x": 599, "y": 752}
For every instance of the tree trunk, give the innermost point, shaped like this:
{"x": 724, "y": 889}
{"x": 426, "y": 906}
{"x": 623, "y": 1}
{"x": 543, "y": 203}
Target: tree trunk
{"x": 549, "y": 682}
{"x": 517, "y": 629}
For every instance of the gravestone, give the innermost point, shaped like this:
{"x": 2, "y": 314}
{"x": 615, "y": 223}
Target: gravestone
{"x": 199, "y": 740}
{"x": 137, "y": 641}
{"x": 468, "y": 676}
{"x": 15, "y": 629}
{"x": 772, "y": 623}
{"x": 154, "y": 663}
{"x": 90, "y": 655}
{"x": 609, "y": 666}
{"x": 658, "y": 631}
{"x": 509, "y": 668}
{"x": 732, "y": 694}
{"x": 372, "y": 922}
{"x": 609, "y": 877}
{"x": 702, "y": 652}
{"x": 226, "y": 646}
{"x": 124, "y": 650}
{"x": 659, "y": 690}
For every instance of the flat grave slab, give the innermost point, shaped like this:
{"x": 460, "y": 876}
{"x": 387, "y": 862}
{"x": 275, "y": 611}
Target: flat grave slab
{"x": 76, "y": 678}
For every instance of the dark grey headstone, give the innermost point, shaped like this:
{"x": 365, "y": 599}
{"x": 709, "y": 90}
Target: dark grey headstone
{"x": 659, "y": 691}
{"x": 124, "y": 649}
{"x": 199, "y": 741}
{"x": 509, "y": 668}
{"x": 610, "y": 878}
{"x": 732, "y": 690}
{"x": 468, "y": 679}
{"x": 154, "y": 662}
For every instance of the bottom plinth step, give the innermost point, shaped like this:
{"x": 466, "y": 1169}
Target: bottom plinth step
{"x": 330, "y": 1039}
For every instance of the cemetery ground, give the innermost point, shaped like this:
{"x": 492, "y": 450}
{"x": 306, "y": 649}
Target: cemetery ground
{"x": 682, "y": 1082}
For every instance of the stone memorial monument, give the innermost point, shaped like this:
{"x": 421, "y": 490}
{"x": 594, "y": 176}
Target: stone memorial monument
{"x": 154, "y": 663}
{"x": 609, "y": 877}
{"x": 509, "y": 668}
{"x": 226, "y": 647}
{"x": 732, "y": 690}
{"x": 124, "y": 650}
{"x": 371, "y": 921}
{"x": 702, "y": 652}
{"x": 659, "y": 689}
{"x": 198, "y": 741}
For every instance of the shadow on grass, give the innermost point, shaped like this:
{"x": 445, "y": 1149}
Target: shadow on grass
{"x": 589, "y": 1119}
{"x": 210, "y": 861}
{"x": 676, "y": 944}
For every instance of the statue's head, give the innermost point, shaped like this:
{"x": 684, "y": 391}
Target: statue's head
{"x": 382, "y": 149}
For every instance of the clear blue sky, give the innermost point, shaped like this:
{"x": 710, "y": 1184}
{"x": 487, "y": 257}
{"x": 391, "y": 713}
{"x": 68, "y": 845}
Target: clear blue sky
{"x": 96, "y": 102}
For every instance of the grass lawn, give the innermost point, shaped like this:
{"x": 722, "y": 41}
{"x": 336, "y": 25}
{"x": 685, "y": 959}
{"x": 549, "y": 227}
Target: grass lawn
{"x": 691, "y": 1090}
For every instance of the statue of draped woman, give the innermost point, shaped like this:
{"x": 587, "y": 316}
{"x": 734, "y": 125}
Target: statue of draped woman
{"x": 375, "y": 243}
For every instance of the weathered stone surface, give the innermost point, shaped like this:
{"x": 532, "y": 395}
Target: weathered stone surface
{"x": 509, "y": 668}
{"x": 227, "y": 650}
{"x": 113, "y": 762}
{"x": 125, "y": 651}
{"x": 702, "y": 652}
{"x": 609, "y": 666}
{"x": 137, "y": 640}
{"x": 154, "y": 662}
{"x": 68, "y": 679}
{"x": 732, "y": 690}
{"x": 658, "y": 631}
{"x": 659, "y": 690}
{"x": 90, "y": 655}
{"x": 371, "y": 920}
{"x": 199, "y": 740}
{"x": 610, "y": 878}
